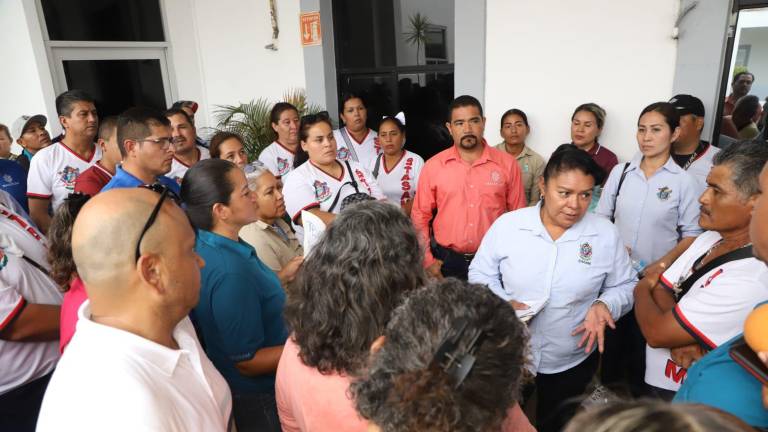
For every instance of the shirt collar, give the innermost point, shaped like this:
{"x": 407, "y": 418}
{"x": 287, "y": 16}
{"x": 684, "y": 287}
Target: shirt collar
{"x": 670, "y": 165}
{"x": 26, "y": 153}
{"x": 453, "y": 154}
{"x": 163, "y": 358}
{"x": 218, "y": 241}
{"x": 534, "y": 224}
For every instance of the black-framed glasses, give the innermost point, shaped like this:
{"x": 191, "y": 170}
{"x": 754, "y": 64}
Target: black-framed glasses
{"x": 164, "y": 192}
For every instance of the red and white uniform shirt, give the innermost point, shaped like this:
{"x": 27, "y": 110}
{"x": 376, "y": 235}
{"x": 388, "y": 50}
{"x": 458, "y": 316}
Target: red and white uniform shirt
{"x": 22, "y": 283}
{"x": 714, "y": 309}
{"x": 53, "y": 171}
{"x": 179, "y": 168}
{"x": 365, "y": 150}
{"x": 278, "y": 158}
{"x": 400, "y": 181}
{"x": 309, "y": 187}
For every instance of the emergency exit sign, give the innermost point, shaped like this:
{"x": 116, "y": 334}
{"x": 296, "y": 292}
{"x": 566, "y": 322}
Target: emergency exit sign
{"x": 310, "y": 29}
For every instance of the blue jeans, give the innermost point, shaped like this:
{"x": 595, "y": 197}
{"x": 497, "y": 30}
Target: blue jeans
{"x": 255, "y": 412}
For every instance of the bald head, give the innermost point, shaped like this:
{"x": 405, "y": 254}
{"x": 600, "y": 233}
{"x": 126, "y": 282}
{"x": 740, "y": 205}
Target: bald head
{"x": 107, "y": 229}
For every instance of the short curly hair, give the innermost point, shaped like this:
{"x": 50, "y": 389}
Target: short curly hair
{"x": 401, "y": 392}
{"x": 350, "y": 283}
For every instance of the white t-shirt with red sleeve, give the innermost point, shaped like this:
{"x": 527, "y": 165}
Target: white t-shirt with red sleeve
{"x": 22, "y": 283}
{"x": 713, "y": 311}
{"x": 364, "y": 151}
{"x": 309, "y": 187}
{"x": 53, "y": 171}
{"x": 278, "y": 158}
{"x": 179, "y": 168}
{"x": 400, "y": 181}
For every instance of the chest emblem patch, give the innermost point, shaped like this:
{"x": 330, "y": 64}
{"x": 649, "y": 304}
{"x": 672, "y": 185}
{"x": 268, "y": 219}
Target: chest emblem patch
{"x": 585, "y": 253}
{"x": 342, "y": 153}
{"x": 664, "y": 193}
{"x": 68, "y": 176}
{"x": 322, "y": 191}
{"x": 282, "y": 166}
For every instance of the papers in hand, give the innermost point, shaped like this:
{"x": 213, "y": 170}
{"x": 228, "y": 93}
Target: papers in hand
{"x": 534, "y": 307}
{"x": 313, "y": 230}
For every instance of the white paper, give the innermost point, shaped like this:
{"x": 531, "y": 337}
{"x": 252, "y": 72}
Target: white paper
{"x": 534, "y": 307}
{"x": 313, "y": 230}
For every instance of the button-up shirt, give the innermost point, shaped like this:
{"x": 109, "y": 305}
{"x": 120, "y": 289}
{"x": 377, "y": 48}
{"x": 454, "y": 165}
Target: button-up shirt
{"x": 650, "y": 212}
{"x": 531, "y": 167}
{"x": 240, "y": 309}
{"x": 467, "y": 197}
{"x": 275, "y": 244}
{"x": 110, "y": 379}
{"x": 519, "y": 260}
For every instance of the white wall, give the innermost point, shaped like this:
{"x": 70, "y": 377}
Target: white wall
{"x": 547, "y": 60}
{"x": 757, "y": 38}
{"x": 26, "y": 86}
{"x": 219, "y": 56}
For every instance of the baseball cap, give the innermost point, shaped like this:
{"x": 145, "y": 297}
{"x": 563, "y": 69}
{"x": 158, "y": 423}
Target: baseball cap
{"x": 21, "y": 123}
{"x": 687, "y": 104}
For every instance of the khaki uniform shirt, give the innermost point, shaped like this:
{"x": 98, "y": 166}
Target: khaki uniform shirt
{"x": 531, "y": 167}
{"x": 271, "y": 247}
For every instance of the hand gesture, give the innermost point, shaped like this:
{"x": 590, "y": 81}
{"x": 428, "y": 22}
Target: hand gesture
{"x": 593, "y": 327}
{"x": 684, "y": 356}
{"x": 434, "y": 269}
{"x": 288, "y": 273}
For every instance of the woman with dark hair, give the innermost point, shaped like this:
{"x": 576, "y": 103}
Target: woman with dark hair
{"x": 396, "y": 169}
{"x": 414, "y": 381}
{"x": 63, "y": 269}
{"x": 355, "y": 140}
{"x": 654, "y": 204}
{"x": 240, "y": 313}
{"x": 228, "y": 146}
{"x": 278, "y": 156}
{"x": 587, "y": 123}
{"x": 339, "y": 304}
{"x": 744, "y": 112}
{"x": 565, "y": 270}
{"x": 514, "y": 130}
{"x": 322, "y": 183}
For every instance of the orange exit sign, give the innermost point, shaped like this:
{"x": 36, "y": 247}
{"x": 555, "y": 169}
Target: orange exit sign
{"x": 310, "y": 29}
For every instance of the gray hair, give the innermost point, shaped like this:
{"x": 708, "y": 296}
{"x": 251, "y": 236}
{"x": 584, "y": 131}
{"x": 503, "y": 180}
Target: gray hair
{"x": 403, "y": 391}
{"x": 746, "y": 159}
{"x": 350, "y": 283}
{"x": 253, "y": 171}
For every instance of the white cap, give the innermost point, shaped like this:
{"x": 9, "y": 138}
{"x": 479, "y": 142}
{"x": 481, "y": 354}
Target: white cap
{"x": 21, "y": 123}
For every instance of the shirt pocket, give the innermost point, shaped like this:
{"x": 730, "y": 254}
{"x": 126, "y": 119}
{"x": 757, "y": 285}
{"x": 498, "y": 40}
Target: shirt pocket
{"x": 493, "y": 198}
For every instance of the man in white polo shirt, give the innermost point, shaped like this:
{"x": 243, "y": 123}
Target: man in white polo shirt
{"x": 134, "y": 363}
{"x": 187, "y": 151}
{"x": 29, "y": 322}
{"x": 54, "y": 169}
{"x": 706, "y": 294}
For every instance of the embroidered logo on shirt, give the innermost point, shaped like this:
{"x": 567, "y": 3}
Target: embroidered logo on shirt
{"x": 68, "y": 176}
{"x": 585, "y": 253}
{"x": 322, "y": 191}
{"x": 495, "y": 178}
{"x": 664, "y": 193}
{"x": 282, "y": 166}
{"x": 7, "y": 178}
{"x": 342, "y": 153}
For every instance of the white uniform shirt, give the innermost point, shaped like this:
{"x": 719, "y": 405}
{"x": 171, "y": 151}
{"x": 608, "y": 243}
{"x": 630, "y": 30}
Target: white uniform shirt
{"x": 278, "y": 158}
{"x": 179, "y": 168}
{"x": 714, "y": 309}
{"x": 110, "y": 379}
{"x": 518, "y": 260}
{"x": 399, "y": 183}
{"x": 652, "y": 213}
{"x": 22, "y": 283}
{"x": 701, "y": 166}
{"x": 365, "y": 150}
{"x": 53, "y": 171}
{"x": 308, "y": 187}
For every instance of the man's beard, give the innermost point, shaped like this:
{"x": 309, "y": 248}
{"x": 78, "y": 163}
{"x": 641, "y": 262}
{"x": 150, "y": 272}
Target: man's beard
{"x": 468, "y": 142}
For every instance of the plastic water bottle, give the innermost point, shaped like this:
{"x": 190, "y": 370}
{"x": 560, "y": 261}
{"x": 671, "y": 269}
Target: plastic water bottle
{"x": 638, "y": 265}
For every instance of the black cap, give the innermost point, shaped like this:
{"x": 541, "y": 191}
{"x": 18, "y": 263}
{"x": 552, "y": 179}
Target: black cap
{"x": 687, "y": 104}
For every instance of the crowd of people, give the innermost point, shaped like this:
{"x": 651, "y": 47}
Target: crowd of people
{"x": 152, "y": 280}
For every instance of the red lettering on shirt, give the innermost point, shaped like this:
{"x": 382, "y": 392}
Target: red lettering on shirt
{"x": 21, "y": 222}
{"x": 362, "y": 179}
{"x": 675, "y": 372}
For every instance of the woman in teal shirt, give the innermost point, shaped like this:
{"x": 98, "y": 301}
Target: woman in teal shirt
{"x": 240, "y": 314}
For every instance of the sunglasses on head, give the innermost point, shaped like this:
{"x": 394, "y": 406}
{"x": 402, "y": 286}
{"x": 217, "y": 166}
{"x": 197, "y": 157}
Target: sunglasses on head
{"x": 164, "y": 192}
{"x": 312, "y": 118}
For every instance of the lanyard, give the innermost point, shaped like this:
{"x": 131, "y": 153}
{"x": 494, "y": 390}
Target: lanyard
{"x": 693, "y": 157}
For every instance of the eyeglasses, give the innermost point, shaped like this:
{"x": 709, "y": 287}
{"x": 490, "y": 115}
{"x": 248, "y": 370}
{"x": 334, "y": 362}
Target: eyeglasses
{"x": 164, "y": 192}
{"x": 164, "y": 142}
{"x": 313, "y": 118}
